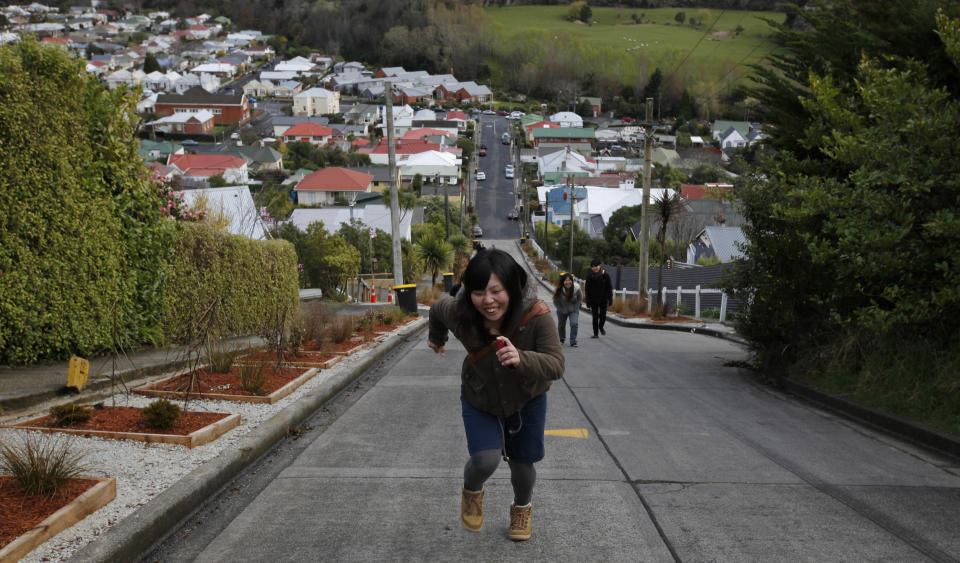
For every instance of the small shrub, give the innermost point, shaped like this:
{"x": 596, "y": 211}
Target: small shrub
{"x": 660, "y": 310}
{"x": 430, "y": 295}
{"x": 393, "y": 315}
{"x": 629, "y": 306}
{"x": 542, "y": 265}
{"x": 313, "y": 320}
{"x": 68, "y": 415}
{"x": 367, "y": 321}
{"x": 710, "y": 313}
{"x": 221, "y": 360}
{"x": 252, "y": 377}
{"x": 160, "y": 414}
{"x": 340, "y": 328}
{"x": 553, "y": 276}
{"x": 41, "y": 464}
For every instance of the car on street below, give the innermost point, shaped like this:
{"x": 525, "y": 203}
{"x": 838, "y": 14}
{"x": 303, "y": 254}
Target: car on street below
{"x": 516, "y": 114}
{"x": 481, "y": 175}
{"x": 477, "y": 231}
{"x": 513, "y": 215}
{"x": 508, "y": 173}
{"x": 502, "y": 112}
{"x": 489, "y": 112}
{"x": 483, "y": 152}
{"x": 189, "y": 142}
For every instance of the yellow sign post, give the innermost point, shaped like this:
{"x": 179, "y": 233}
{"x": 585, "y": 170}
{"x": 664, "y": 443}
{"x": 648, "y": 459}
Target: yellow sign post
{"x": 77, "y": 374}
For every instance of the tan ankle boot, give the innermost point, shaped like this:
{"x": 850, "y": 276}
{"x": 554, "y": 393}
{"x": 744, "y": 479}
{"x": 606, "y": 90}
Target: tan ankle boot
{"x": 471, "y": 510}
{"x": 521, "y": 523}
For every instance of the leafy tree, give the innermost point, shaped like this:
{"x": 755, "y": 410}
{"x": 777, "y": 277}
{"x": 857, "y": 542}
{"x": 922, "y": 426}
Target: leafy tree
{"x": 150, "y": 64}
{"x": 586, "y": 14}
{"x": 667, "y": 208}
{"x": 851, "y": 229}
{"x": 357, "y": 234}
{"x": 669, "y": 177}
{"x": 328, "y": 260}
{"x": 680, "y": 17}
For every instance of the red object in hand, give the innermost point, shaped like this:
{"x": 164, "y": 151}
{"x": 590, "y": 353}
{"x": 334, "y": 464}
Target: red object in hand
{"x": 500, "y": 344}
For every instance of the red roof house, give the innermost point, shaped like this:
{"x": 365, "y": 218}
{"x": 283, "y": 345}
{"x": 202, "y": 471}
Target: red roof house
{"x": 706, "y": 191}
{"x": 326, "y": 185}
{"x": 201, "y": 166}
{"x": 309, "y": 133}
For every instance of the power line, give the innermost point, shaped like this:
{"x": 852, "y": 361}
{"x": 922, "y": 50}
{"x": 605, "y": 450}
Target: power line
{"x": 702, "y": 37}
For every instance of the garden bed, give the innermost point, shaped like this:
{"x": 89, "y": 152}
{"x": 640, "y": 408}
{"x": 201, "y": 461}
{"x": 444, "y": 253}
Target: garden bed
{"x": 227, "y": 386}
{"x": 29, "y": 520}
{"x": 296, "y": 358}
{"x": 192, "y": 429}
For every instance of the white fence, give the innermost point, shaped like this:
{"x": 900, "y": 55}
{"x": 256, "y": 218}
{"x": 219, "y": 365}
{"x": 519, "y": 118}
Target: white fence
{"x": 679, "y": 292}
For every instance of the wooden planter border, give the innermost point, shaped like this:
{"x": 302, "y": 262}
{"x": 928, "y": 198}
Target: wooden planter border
{"x": 280, "y": 393}
{"x": 359, "y": 347}
{"x": 196, "y": 438}
{"x": 296, "y": 362}
{"x": 79, "y": 508}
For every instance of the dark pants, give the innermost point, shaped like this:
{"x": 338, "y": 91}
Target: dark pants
{"x": 599, "y": 314}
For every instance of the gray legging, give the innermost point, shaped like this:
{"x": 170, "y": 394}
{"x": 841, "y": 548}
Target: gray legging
{"x": 481, "y": 466}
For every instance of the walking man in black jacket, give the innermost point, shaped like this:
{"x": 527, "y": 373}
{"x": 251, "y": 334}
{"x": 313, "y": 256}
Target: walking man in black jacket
{"x": 599, "y": 296}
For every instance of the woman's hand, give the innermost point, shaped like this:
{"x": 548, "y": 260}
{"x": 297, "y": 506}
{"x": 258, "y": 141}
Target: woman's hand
{"x": 436, "y": 348}
{"x": 508, "y": 355}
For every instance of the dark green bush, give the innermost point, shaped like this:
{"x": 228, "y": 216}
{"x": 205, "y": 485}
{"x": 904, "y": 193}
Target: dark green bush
{"x": 249, "y": 280}
{"x": 66, "y": 415}
{"x": 160, "y": 414}
{"x": 83, "y": 245}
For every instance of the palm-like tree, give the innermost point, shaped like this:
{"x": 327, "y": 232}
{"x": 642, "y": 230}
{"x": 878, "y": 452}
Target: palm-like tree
{"x": 461, "y": 247}
{"x": 436, "y": 253}
{"x": 669, "y": 208}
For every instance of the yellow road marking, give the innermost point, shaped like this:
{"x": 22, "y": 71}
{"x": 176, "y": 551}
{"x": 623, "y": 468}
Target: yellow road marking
{"x": 569, "y": 432}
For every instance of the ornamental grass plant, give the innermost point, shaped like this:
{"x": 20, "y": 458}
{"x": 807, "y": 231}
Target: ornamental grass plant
{"x": 41, "y": 464}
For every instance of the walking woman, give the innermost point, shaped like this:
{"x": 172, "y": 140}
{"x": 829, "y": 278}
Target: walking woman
{"x": 513, "y": 357}
{"x": 566, "y": 301}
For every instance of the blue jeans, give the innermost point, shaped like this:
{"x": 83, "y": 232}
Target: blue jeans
{"x": 574, "y": 322}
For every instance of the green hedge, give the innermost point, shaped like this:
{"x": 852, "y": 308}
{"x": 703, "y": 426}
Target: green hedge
{"x": 249, "y": 281}
{"x": 83, "y": 245}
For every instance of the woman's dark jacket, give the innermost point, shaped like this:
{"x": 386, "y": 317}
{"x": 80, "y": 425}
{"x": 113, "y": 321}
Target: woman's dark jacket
{"x": 488, "y": 386}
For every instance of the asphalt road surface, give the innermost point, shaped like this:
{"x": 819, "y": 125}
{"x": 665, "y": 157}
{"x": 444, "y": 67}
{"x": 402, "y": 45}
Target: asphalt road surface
{"x": 495, "y": 195}
{"x": 656, "y": 452}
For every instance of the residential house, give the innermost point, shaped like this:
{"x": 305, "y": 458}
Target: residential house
{"x": 260, "y": 52}
{"x": 258, "y": 88}
{"x": 577, "y": 138}
{"x": 722, "y": 242}
{"x": 666, "y": 157}
{"x": 280, "y": 123}
{"x": 441, "y": 167}
{"x": 316, "y": 101}
{"x": 567, "y": 119}
{"x": 404, "y": 149}
{"x": 327, "y": 185}
{"x": 199, "y": 31}
{"x": 371, "y": 215}
{"x": 362, "y": 114}
{"x": 224, "y": 71}
{"x": 201, "y": 167}
{"x": 312, "y": 133}
{"x": 275, "y": 76}
{"x": 162, "y": 172}
{"x": 258, "y": 158}
{"x": 298, "y": 65}
{"x": 159, "y": 81}
{"x": 206, "y": 82}
{"x": 720, "y": 127}
{"x": 381, "y": 176}
{"x": 732, "y": 139}
{"x": 227, "y": 109}
{"x": 288, "y": 89}
{"x": 232, "y": 203}
{"x": 153, "y": 150}
{"x": 126, "y": 78}
{"x": 184, "y": 123}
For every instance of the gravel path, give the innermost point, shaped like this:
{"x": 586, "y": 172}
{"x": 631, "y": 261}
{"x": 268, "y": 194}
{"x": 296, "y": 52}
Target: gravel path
{"x": 145, "y": 470}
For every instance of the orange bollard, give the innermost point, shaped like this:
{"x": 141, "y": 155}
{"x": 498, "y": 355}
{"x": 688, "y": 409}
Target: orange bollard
{"x": 373, "y": 294}
{"x": 390, "y": 295}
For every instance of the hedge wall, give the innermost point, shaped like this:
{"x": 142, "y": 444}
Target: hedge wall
{"x": 246, "y": 282}
{"x": 83, "y": 246}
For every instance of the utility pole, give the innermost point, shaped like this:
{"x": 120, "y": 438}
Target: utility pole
{"x": 645, "y": 207}
{"x": 570, "y": 185}
{"x": 394, "y": 195}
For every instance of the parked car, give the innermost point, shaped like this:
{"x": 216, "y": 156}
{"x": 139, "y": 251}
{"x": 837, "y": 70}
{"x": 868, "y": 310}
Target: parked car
{"x": 516, "y": 114}
{"x": 502, "y": 112}
{"x": 478, "y": 232}
{"x": 508, "y": 173}
{"x": 483, "y": 152}
{"x": 513, "y": 215}
{"x": 489, "y": 112}
{"x": 189, "y": 142}
{"x": 505, "y": 138}
{"x": 481, "y": 175}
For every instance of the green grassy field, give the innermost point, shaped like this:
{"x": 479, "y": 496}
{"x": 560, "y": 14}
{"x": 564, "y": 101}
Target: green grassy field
{"x": 662, "y": 38}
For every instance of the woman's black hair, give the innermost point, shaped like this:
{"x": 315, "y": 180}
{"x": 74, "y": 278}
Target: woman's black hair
{"x": 476, "y": 277}
{"x": 559, "y": 291}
